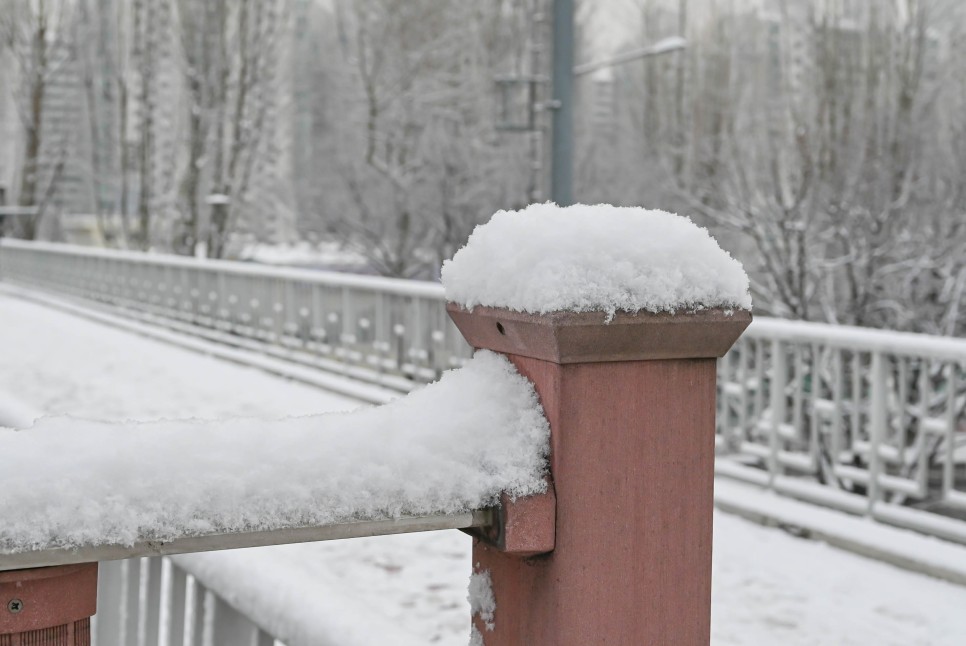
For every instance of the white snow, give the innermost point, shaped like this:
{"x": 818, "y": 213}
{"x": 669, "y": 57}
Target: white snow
{"x": 302, "y": 607}
{"x": 482, "y": 601}
{"x": 450, "y": 447}
{"x": 218, "y": 198}
{"x": 768, "y": 587}
{"x": 14, "y": 413}
{"x": 546, "y": 258}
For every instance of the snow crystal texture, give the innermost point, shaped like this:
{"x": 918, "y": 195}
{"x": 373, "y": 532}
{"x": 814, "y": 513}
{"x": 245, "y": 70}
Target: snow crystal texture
{"x": 582, "y": 258}
{"x": 450, "y": 447}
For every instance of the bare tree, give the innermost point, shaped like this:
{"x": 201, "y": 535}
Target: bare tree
{"x": 819, "y": 144}
{"x": 36, "y": 34}
{"x": 419, "y": 156}
{"x": 248, "y": 35}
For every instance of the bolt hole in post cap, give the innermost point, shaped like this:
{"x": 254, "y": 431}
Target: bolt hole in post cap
{"x": 596, "y": 283}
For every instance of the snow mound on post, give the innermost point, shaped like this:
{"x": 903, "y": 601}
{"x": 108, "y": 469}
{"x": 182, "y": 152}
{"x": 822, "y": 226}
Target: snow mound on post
{"x": 593, "y": 258}
{"x": 451, "y": 447}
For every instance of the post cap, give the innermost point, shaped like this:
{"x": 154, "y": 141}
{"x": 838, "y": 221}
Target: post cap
{"x": 588, "y": 337}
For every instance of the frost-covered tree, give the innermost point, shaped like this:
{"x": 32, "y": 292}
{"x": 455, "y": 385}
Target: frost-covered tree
{"x": 817, "y": 139}
{"x": 244, "y": 103}
{"x": 415, "y": 146}
{"x": 36, "y": 34}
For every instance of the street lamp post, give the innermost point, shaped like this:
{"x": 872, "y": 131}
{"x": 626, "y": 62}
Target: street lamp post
{"x": 562, "y": 129}
{"x": 564, "y": 72}
{"x": 561, "y": 103}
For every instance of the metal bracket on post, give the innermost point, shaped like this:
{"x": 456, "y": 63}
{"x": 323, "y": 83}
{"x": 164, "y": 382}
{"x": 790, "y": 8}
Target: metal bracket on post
{"x": 523, "y": 527}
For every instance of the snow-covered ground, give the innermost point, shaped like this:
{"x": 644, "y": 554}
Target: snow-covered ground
{"x": 769, "y": 587}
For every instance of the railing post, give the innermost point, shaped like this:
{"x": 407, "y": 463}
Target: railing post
{"x": 631, "y": 405}
{"x": 52, "y": 606}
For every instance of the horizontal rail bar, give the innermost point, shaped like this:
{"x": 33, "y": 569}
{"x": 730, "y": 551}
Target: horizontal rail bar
{"x": 829, "y": 335}
{"x": 215, "y": 542}
{"x": 859, "y": 339}
{"x": 399, "y": 286}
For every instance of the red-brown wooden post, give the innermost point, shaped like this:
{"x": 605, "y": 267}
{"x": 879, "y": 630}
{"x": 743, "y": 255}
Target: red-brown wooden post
{"x": 631, "y": 405}
{"x": 50, "y": 606}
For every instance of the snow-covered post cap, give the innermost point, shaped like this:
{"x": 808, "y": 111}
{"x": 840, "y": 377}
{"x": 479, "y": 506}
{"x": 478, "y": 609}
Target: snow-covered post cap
{"x": 596, "y": 283}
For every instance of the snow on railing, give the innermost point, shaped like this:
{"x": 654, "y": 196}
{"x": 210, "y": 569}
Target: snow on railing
{"x": 77, "y": 491}
{"x": 394, "y": 332}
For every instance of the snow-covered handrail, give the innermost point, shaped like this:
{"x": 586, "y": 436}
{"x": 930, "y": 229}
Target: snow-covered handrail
{"x": 330, "y": 278}
{"x": 76, "y": 490}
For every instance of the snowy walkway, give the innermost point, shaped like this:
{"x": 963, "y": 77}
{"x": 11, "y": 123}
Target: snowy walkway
{"x": 769, "y": 588}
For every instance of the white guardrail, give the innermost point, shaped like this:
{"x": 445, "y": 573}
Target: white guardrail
{"x": 155, "y": 601}
{"x": 866, "y": 421}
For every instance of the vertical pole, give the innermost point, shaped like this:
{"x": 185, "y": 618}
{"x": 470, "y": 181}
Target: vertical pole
{"x": 779, "y": 380}
{"x": 3, "y": 203}
{"x": 631, "y": 406}
{"x": 877, "y": 428}
{"x": 562, "y": 145}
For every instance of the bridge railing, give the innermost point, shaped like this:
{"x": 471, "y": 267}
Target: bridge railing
{"x": 870, "y": 422}
{"x": 157, "y": 601}
{"x": 386, "y": 331}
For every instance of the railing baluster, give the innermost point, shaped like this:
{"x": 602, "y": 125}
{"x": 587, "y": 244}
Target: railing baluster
{"x": 877, "y": 424}
{"x": 131, "y": 569}
{"x": 207, "y": 616}
{"x": 949, "y": 464}
{"x": 194, "y": 613}
{"x": 779, "y": 375}
{"x": 107, "y": 626}
{"x": 173, "y": 604}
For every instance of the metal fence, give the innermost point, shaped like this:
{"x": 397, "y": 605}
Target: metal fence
{"x": 869, "y": 422}
{"x": 386, "y": 331}
{"x": 155, "y": 601}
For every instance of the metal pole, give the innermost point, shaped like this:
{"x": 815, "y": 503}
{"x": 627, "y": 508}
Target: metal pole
{"x": 562, "y": 134}
{"x": 3, "y": 203}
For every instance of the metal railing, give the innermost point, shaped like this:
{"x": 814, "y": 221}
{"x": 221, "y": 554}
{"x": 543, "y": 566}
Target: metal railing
{"x": 169, "y": 601}
{"x": 866, "y": 421}
{"x": 156, "y": 601}
{"x": 391, "y": 332}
